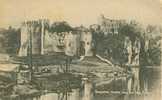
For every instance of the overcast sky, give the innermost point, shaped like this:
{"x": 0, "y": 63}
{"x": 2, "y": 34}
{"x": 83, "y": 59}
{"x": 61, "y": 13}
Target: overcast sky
{"x": 78, "y": 12}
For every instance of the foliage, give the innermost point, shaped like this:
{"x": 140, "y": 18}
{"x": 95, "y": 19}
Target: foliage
{"x": 154, "y": 51}
{"x": 153, "y": 56}
{"x": 61, "y": 27}
{"x": 10, "y": 40}
{"x": 112, "y": 45}
{"x": 131, "y": 30}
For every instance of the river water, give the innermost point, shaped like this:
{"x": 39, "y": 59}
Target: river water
{"x": 80, "y": 94}
{"x": 86, "y": 93}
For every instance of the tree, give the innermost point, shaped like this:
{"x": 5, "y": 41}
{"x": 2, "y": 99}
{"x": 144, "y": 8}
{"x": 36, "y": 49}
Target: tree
{"x": 154, "y": 51}
{"x": 12, "y": 40}
{"x": 61, "y": 27}
{"x": 131, "y": 30}
{"x": 112, "y": 46}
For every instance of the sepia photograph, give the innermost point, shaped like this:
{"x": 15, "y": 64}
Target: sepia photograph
{"x": 80, "y": 49}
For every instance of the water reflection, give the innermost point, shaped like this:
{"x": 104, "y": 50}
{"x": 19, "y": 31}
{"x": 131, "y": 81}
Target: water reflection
{"x": 74, "y": 95}
{"x": 83, "y": 93}
{"x": 49, "y": 96}
{"x": 87, "y": 90}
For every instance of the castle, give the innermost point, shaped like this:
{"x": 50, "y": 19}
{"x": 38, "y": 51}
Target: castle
{"x": 44, "y": 41}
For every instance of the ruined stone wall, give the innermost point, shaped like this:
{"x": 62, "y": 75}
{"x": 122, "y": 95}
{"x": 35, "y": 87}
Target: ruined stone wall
{"x": 86, "y": 37}
{"x": 36, "y": 40}
{"x": 24, "y": 41}
{"x": 67, "y": 42}
{"x": 110, "y": 26}
{"x": 35, "y": 29}
{"x": 71, "y": 44}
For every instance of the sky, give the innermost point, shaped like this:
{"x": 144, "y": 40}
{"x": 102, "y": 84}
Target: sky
{"x": 79, "y": 12}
